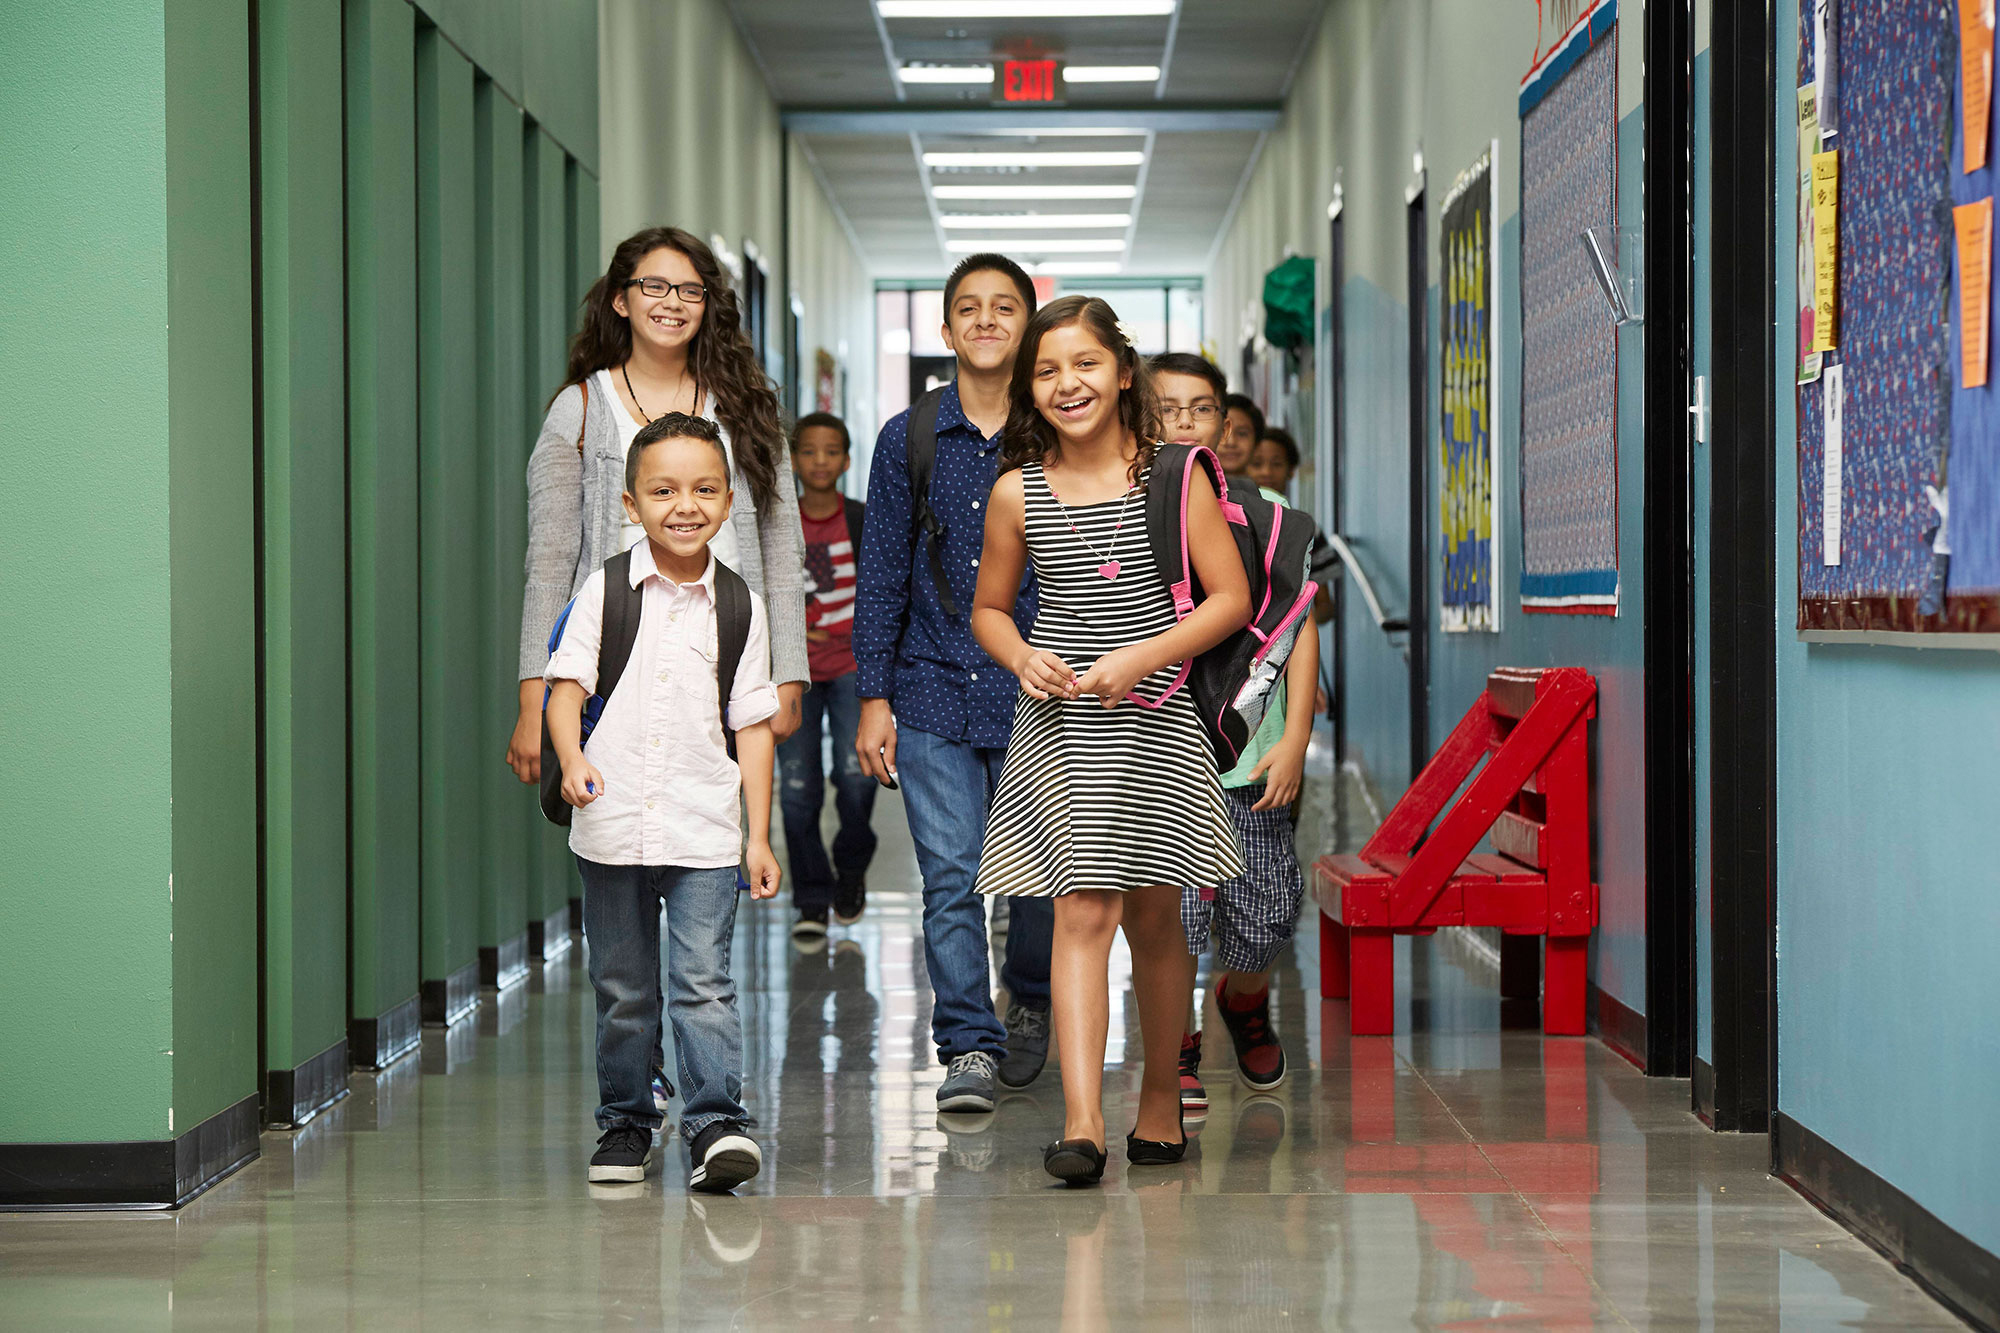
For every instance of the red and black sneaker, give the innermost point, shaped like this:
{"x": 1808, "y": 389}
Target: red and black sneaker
{"x": 1260, "y": 1060}
{"x": 1194, "y": 1097}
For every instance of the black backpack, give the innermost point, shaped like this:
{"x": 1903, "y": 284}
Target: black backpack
{"x": 1232, "y": 682}
{"x": 622, "y": 603}
{"x": 922, "y": 444}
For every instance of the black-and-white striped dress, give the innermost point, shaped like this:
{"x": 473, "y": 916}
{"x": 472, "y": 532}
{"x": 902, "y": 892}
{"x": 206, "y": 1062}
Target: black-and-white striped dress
{"x": 1090, "y": 797}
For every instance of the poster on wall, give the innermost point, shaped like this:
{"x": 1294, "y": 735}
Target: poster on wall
{"x": 1468, "y": 500}
{"x": 1569, "y": 341}
{"x": 825, "y": 373}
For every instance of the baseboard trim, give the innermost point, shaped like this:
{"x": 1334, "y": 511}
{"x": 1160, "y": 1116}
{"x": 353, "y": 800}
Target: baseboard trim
{"x": 1942, "y": 1261}
{"x": 504, "y": 964}
{"x": 377, "y": 1043}
{"x": 294, "y": 1096}
{"x": 145, "y": 1175}
{"x": 1618, "y": 1026}
{"x": 1704, "y": 1092}
{"x": 449, "y": 1000}
{"x": 548, "y": 937}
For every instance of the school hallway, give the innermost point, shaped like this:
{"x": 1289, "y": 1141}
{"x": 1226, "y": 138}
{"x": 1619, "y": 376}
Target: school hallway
{"x": 1456, "y": 1173}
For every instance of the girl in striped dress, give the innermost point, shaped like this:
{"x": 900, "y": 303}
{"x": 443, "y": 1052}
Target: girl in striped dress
{"x": 1109, "y": 800}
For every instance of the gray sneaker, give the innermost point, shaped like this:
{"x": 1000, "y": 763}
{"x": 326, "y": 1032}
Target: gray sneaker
{"x": 968, "y": 1084}
{"x": 1027, "y": 1045}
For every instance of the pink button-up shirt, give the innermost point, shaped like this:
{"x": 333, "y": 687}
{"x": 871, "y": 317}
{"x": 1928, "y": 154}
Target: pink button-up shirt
{"x": 670, "y": 787}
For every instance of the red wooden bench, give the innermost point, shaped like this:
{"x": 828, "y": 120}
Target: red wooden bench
{"x": 1533, "y": 794}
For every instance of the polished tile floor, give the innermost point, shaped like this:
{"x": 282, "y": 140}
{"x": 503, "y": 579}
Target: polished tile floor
{"x": 1448, "y": 1177}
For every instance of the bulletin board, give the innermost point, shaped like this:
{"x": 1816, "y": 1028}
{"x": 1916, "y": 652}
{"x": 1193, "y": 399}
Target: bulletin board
{"x": 1569, "y": 343}
{"x": 1898, "y": 427}
{"x": 1468, "y": 499}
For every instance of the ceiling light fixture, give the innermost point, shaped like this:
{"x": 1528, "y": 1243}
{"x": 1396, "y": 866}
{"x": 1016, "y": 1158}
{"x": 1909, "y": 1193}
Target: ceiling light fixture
{"x": 1023, "y": 9}
{"x": 1030, "y": 221}
{"x": 1077, "y": 268}
{"x": 1066, "y": 132}
{"x": 1111, "y": 74}
{"x": 947, "y": 73}
{"x": 1006, "y": 159}
{"x": 1034, "y": 192}
{"x": 1037, "y": 245}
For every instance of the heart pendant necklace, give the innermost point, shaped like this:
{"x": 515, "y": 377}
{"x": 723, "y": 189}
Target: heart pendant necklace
{"x": 1110, "y": 564}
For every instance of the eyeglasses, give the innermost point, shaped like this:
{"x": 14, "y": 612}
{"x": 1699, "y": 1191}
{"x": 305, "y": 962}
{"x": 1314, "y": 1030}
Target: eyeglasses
{"x": 691, "y": 292}
{"x": 1195, "y": 412}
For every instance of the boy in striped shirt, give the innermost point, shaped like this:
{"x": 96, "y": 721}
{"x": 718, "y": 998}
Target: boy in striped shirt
{"x": 832, "y": 522}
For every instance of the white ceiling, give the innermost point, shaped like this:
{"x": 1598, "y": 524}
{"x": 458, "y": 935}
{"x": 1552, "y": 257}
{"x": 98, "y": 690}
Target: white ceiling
{"x": 1225, "y": 66}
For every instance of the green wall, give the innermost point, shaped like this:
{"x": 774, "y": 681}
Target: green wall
{"x": 305, "y": 531}
{"x": 382, "y": 501}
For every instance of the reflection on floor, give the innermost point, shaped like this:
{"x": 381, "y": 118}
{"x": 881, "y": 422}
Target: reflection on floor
{"x": 1449, "y": 1176}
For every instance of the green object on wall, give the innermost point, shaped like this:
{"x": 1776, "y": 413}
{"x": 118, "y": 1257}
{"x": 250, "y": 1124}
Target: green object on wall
{"x": 1288, "y": 303}
{"x": 305, "y": 535}
{"x": 382, "y": 495}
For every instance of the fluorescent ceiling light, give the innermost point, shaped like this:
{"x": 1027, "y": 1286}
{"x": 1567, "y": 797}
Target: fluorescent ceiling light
{"x": 1037, "y": 245}
{"x": 1041, "y": 192}
{"x": 1111, "y": 74}
{"x": 1006, "y": 159}
{"x": 1023, "y": 9}
{"x": 947, "y": 73}
{"x": 1077, "y": 268}
{"x": 1030, "y": 221}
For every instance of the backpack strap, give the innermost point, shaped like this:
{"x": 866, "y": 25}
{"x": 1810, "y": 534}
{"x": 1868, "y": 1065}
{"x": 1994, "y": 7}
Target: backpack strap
{"x": 584, "y": 429}
{"x": 620, "y": 631}
{"x": 856, "y": 515}
{"x": 922, "y": 444}
{"x": 1166, "y": 516}
{"x": 732, "y": 634}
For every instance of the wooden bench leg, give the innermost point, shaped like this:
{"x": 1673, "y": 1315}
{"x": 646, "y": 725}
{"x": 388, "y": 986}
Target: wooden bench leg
{"x": 1371, "y": 1010}
{"x": 1332, "y": 958}
{"x": 1563, "y": 987}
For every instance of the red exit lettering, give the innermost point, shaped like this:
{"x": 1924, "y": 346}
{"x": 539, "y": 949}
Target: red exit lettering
{"x": 1028, "y": 81}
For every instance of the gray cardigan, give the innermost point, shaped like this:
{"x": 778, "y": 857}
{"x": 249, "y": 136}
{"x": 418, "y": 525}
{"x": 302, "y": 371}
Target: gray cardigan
{"x": 574, "y": 521}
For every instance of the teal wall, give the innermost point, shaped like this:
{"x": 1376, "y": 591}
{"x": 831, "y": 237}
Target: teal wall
{"x": 1888, "y": 901}
{"x": 382, "y": 501}
{"x": 127, "y": 545}
{"x": 305, "y": 531}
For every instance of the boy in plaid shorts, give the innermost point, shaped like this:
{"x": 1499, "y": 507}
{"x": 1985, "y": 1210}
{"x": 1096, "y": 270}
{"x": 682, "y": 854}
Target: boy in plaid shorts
{"x": 1252, "y": 917}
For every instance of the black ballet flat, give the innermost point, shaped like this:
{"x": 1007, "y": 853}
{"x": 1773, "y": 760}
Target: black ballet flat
{"x": 1154, "y": 1152}
{"x": 1074, "y": 1161}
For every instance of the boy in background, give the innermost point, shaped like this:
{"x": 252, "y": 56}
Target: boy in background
{"x": 656, "y": 808}
{"x": 1242, "y": 426}
{"x": 1254, "y": 915}
{"x": 832, "y": 522}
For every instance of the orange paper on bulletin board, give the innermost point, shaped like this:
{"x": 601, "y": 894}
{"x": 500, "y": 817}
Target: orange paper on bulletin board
{"x": 1975, "y": 289}
{"x": 1975, "y": 50}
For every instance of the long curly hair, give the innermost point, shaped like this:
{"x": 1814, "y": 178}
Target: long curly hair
{"x": 1029, "y": 437}
{"x": 720, "y": 356}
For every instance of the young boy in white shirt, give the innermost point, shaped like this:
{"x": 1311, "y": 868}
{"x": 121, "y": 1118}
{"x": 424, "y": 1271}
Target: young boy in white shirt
{"x": 655, "y": 815}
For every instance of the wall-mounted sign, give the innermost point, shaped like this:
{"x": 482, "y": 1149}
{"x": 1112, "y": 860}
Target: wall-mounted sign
{"x": 1027, "y": 81}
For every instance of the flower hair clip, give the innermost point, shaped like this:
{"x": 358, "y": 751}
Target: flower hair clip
{"x": 1123, "y": 332}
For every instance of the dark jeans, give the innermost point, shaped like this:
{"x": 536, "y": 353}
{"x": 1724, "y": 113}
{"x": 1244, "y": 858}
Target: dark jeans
{"x": 621, "y": 926}
{"x": 947, "y": 789}
{"x": 830, "y": 705}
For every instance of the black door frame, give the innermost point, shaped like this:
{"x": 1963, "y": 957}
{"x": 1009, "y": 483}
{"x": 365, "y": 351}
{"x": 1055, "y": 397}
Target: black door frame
{"x": 1669, "y": 580}
{"x": 1739, "y": 1093}
{"x": 1336, "y": 455}
{"x": 1417, "y": 236}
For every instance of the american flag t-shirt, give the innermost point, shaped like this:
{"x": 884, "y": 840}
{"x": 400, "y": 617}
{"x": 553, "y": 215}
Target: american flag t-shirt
{"x": 830, "y": 594}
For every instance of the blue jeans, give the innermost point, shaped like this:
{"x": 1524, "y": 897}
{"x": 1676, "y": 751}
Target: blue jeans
{"x": 947, "y": 789}
{"x": 802, "y": 789}
{"x": 621, "y": 924}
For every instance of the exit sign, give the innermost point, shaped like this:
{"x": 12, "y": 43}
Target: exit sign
{"x": 1028, "y": 81}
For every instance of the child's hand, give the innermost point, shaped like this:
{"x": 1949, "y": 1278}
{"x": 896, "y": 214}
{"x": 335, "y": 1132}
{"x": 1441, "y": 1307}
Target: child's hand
{"x": 818, "y": 636}
{"x": 1044, "y": 675}
{"x": 581, "y": 783}
{"x": 1283, "y": 769}
{"x": 1113, "y": 675}
{"x": 761, "y": 869}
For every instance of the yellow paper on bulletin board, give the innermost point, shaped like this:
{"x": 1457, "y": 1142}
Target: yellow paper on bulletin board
{"x": 1975, "y": 48}
{"x": 1826, "y": 257}
{"x": 1974, "y": 223}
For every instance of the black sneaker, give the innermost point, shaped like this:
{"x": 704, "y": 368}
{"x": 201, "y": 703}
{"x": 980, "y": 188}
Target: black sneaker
{"x": 1260, "y": 1060}
{"x": 622, "y": 1154}
{"x": 1027, "y": 1045}
{"x": 722, "y": 1157}
{"x": 850, "y": 900}
{"x": 811, "y": 923}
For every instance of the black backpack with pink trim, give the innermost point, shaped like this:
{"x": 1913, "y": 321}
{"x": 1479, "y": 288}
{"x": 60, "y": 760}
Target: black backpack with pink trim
{"x": 1232, "y": 682}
